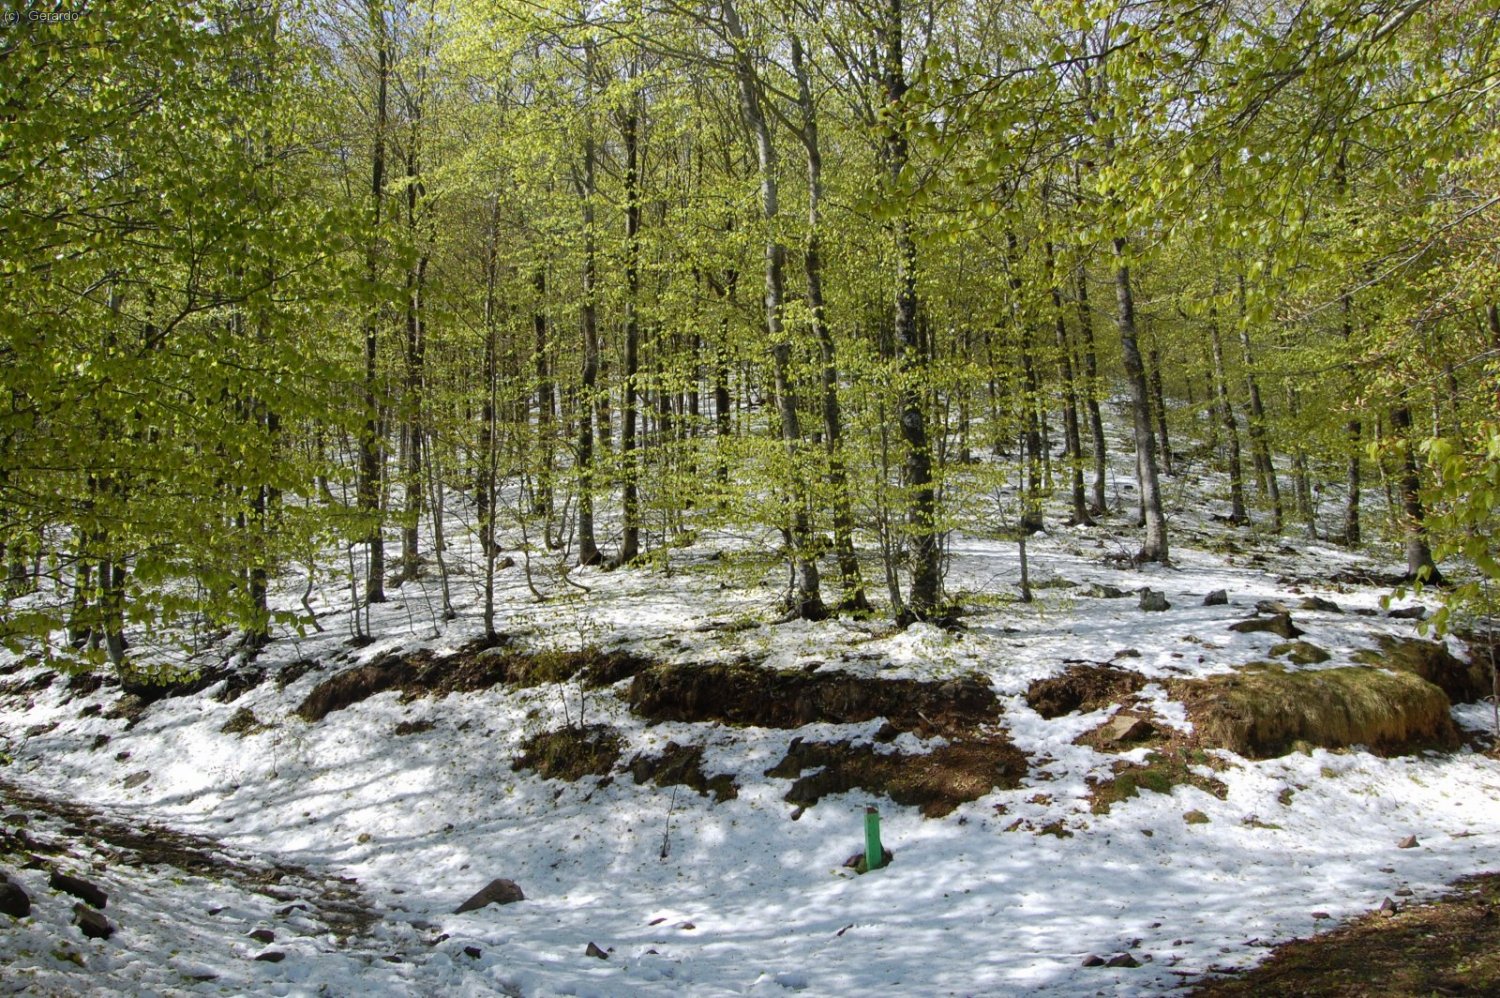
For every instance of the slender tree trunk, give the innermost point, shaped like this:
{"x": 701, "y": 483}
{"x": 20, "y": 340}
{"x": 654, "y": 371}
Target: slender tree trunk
{"x": 1155, "y": 546}
{"x": 1225, "y": 411}
{"x": 851, "y": 582}
{"x": 1071, "y": 436}
{"x": 588, "y": 549}
{"x": 926, "y": 576}
{"x": 1159, "y": 406}
{"x": 1260, "y": 445}
{"x": 370, "y": 443}
{"x": 416, "y": 348}
{"x": 630, "y": 543}
{"x": 1091, "y": 391}
{"x": 806, "y": 600}
{"x": 542, "y": 500}
{"x": 1419, "y": 563}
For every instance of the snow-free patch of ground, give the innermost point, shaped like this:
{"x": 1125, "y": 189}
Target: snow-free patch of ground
{"x": 743, "y": 899}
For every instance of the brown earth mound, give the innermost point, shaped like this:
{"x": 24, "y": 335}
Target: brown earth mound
{"x": 479, "y": 666}
{"x": 570, "y": 753}
{"x": 1264, "y": 710}
{"x": 936, "y": 782}
{"x": 682, "y": 766}
{"x": 1464, "y": 682}
{"x": 748, "y": 695}
{"x": 1083, "y": 687}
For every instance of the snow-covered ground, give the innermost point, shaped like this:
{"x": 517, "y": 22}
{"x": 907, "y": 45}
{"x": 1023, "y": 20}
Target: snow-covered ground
{"x": 746, "y": 900}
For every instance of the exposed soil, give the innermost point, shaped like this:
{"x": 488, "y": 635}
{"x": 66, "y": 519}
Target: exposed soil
{"x": 336, "y": 902}
{"x": 479, "y": 666}
{"x": 1447, "y": 947}
{"x": 1464, "y": 682}
{"x": 937, "y": 782}
{"x": 570, "y": 753}
{"x": 1083, "y": 687}
{"x": 1263, "y": 710}
{"x": 1164, "y": 769}
{"x": 682, "y": 765}
{"x": 749, "y": 695}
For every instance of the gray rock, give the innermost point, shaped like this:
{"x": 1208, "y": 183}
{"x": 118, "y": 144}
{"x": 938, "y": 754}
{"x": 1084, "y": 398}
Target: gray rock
{"x": 1102, "y": 591}
{"x": 263, "y": 936}
{"x": 1320, "y": 604}
{"x": 498, "y": 891}
{"x": 1153, "y": 601}
{"x": 1408, "y": 613}
{"x": 1410, "y": 842}
{"x": 135, "y": 779}
{"x": 595, "y": 951}
{"x": 1093, "y": 960}
{"x": 1126, "y": 727}
{"x": 1122, "y": 960}
{"x": 1279, "y": 624}
{"x": 81, "y": 889}
{"x": 14, "y": 901}
{"x": 1216, "y": 598}
{"x": 1271, "y": 606}
{"x": 271, "y": 956}
{"x": 92, "y": 923}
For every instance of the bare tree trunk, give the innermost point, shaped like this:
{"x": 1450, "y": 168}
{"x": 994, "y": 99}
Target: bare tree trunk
{"x": 1260, "y": 446}
{"x": 806, "y": 600}
{"x": 1071, "y": 437}
{"x": 588, "y": 549}
{"x": 1419, "y": 563}
{"x": 370, "y": 443}
{"x": 1091, "y": 391}
{"x": 851, "y": 582}
{"x": 630, "y": 542}
{"x": 926, "y": 576}
{"x": 1225, "y": 411}
{"x": 1155, "y": 546}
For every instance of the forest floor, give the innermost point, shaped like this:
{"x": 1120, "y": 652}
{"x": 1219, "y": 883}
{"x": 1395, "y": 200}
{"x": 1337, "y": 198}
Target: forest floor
{"x": 1079, "y": 794}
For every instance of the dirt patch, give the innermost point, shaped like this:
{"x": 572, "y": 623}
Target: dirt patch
{"x": 1084, "y": 687}
{"x": 244, "y": 722}
{"x": 1169, "y": 767}
{"x": 570, "y": 753}
{"x": 749, "y": 695}
{"x": 26, "y": 687}
{"x": 151, "y": 683}
{"x": 1263, "y": 710}
{"x": 1464, "y": 682}
{"x": 1446, "y": 947}
{"x": 682, "y": 765}
{"x": 478, "y": 666}
{"x": 937, "y": 782}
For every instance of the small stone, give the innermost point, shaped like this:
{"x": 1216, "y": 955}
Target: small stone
{"x": 887, "y": 733}
{"x": 1387, "y": 908}
{"x": 1404, "y": 892}
{"x": 1216, "y": 598}
{"x": 1101, "y": 591}
{"x": 135, "y": 779}
{"x": 93, "y": 924}
{"x": 1408, "y": 613}
{"x": 1410, "y": 842}
{"x": 14, "y": 901}
{"x": 658, "y": 920}
{"x": 1122, "y": 960}
{"x": 1319, "y": 916}
{"x": 1271, "y": 606}
{"x": 473, "y": 952}
{"x": 271, "y": 956}
{"x": 686, "y": 926}
{"x": 498, "y": 891}
{"x": 1279, "y": 624}
{"x": 1127, "y": 653}
{"x": 362, "y": 838}
{"x": 798, "y": 811}
{"x": 1154, "y": 601}
{"x": 1126, "y": 727}
{"x": 1195, "y": 818}
{"x": 1320, "y": 604}
{"x": 263, "y": 936}
{"x": 81, "y": 889}
{"x": 1093, "y": 960}
{"x": 595, "y": 951}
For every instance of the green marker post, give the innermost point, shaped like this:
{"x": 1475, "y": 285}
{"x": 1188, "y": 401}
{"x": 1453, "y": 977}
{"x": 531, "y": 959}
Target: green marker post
{"x": 874, "y": 854}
